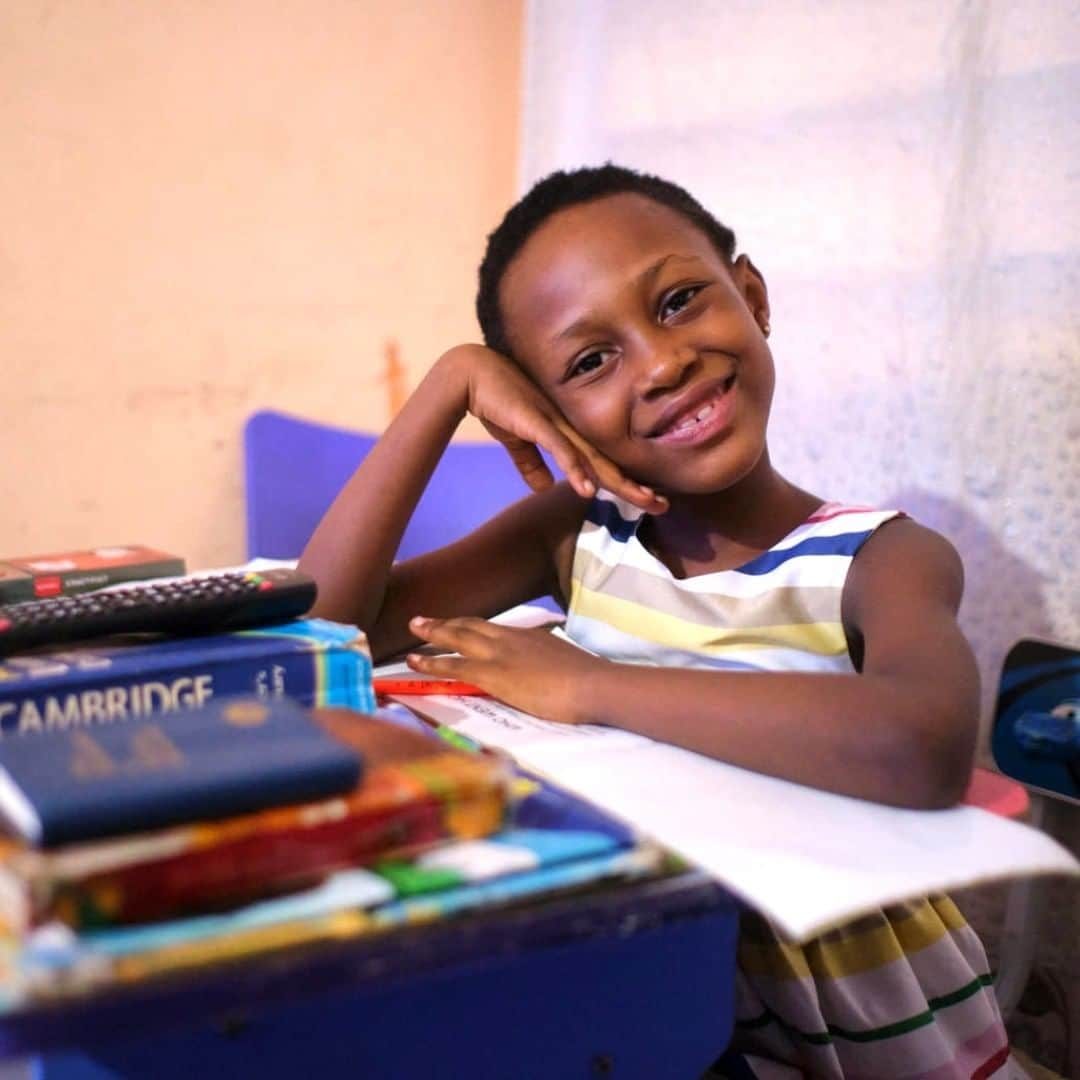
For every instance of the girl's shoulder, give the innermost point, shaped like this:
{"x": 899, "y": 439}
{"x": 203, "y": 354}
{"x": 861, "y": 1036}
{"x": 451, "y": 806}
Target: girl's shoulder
{"x": 833, "y": 529}
{"x": 904, "y": 565}
{"x": 839, "y": 518}
{"x": 905, "y": 546}
{"x": 905, "y": 540}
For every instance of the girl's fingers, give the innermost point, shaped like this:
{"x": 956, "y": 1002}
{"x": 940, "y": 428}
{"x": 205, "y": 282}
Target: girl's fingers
{"x": 585, "y": 468}
{"x": 533, "y": 468}
{"x": 470, "y": 640}
{"x": 526, "y": 421}
{"x": 572, "y": 462}
{"x": 525, "y": 456}
{"x": 610, "y": 477}
{"x": 447, "y": 667}
{"x": 524, "y": 450}
{"x": 461, "y": 635}
{"x": 569, "y": 458}
{"x": 639, "y": 495}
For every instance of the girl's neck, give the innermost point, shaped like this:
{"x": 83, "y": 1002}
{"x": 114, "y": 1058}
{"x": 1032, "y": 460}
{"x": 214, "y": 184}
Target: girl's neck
{"x": 724, "y": 529}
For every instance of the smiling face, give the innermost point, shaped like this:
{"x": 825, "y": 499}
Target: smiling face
{"x": 649, "y": 342}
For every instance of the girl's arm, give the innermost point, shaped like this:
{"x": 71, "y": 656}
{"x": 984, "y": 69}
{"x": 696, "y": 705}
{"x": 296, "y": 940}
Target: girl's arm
{"x": 901, "y": 732}
{"x": 351, "y": 553}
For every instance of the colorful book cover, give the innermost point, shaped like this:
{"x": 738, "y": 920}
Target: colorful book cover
{"x": 232, "y": 756}
{"x": 514, "y": 866}
{"x": 415, "y": 794}
{"x": 314, "y": 661}
{"x": 34, "y": 577}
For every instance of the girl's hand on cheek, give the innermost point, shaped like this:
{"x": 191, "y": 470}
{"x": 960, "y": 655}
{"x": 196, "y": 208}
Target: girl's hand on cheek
{"x": 517, "y": 413}
{"x": 526, "y": 668}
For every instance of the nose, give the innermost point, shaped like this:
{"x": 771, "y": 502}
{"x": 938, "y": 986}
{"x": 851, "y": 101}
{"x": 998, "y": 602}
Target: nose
{"x": 665, "y": 369}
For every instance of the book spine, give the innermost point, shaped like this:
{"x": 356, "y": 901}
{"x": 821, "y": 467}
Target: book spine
{"x": 339, "y": 675}
{"x": 254, "y": 866}
{"x": 40, "y": 586}
{"x": 80, "y": 581}
{"x": 15, "y": 585}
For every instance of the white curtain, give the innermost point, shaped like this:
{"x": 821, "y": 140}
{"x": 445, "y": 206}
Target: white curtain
{"x": 905, "y": 176}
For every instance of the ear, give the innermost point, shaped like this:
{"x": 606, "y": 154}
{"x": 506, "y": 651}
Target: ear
{"x": 750, "y": 282}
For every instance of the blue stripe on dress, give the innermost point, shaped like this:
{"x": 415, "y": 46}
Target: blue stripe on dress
{"x": 606, "y": 514}
{"x": 843, "y": 544}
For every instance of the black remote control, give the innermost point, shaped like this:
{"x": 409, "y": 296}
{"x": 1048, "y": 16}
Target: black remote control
{"x": 191, "y": 605}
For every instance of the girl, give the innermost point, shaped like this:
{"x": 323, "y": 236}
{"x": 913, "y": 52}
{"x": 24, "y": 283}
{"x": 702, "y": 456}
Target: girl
{"x": 807, "y": 639}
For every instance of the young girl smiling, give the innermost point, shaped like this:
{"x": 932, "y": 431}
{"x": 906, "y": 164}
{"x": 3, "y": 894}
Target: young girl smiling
{"x": 810, "y": 640}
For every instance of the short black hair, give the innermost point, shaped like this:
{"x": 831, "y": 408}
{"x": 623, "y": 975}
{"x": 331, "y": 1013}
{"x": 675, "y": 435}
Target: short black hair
{"x": 558, "y": 191}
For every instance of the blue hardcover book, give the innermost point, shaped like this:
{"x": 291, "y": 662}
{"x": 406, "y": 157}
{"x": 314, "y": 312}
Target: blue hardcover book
{"x": 233, "y": 756}
{"x": 314, "y": 661}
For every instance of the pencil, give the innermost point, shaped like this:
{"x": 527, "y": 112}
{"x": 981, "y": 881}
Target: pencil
{"x": 391, "y": 685}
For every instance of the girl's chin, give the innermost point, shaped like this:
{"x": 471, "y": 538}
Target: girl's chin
{"x": 710, "y": 474}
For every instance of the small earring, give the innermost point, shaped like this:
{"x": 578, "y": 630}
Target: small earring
{"x": 765, "y": 328}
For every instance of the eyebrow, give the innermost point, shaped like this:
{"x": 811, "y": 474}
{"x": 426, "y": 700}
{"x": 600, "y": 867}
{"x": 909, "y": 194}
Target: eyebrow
{"x": 647, "y": 277}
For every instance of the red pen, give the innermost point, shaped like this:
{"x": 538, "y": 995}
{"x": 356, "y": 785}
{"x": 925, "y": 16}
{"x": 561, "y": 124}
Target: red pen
{"x": 388, "y": 684}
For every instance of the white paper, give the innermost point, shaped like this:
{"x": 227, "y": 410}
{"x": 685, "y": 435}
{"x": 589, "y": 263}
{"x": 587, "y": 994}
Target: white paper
{"x": 808, "y": 859}
{"x": 493, "y": 723}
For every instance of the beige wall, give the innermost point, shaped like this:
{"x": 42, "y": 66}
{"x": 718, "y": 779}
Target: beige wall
{"x": 215, "y": 207}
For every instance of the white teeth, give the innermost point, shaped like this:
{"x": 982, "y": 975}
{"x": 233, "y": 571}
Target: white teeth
{"x": 696, "y": 418}
{"x": 704, "y": 412}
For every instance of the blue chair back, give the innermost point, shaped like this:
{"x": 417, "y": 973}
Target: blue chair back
{"x": 294, "y": 468}
{"x": 1036, "y": 734}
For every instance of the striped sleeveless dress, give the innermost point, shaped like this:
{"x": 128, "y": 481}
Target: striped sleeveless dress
{"x": 902, "y": 992}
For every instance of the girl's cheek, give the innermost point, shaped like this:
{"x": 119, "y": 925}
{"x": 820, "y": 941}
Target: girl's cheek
{"x": 600, "y": 422}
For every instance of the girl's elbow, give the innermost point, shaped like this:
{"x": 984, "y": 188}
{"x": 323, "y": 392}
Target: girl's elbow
{"x": 942, "y": 793}
{"x": 940, "y": 765}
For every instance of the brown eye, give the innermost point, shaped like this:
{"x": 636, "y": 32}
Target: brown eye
{"x": 587, "y": 363}
{"x": 675, "y": 301}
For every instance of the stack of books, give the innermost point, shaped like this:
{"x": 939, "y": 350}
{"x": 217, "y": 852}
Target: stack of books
{"x": 537, "y": 854}
{"x": 208, "y": 835}
{"x": 203, "y": 801}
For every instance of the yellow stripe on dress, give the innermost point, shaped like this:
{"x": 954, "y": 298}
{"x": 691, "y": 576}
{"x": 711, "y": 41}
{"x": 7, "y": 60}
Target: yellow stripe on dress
{"x": 870, "y": 943}
{"x": 775, "y": 605}
{"x": 648, "y": 624}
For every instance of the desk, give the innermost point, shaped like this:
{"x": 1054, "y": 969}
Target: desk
{"x": 628, "y": 982}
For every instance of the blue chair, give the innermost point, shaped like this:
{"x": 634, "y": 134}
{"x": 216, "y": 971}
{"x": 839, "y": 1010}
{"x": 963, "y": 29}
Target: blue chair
{"x": 1035, "y": 742}
{"x": 294, "y": 468}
